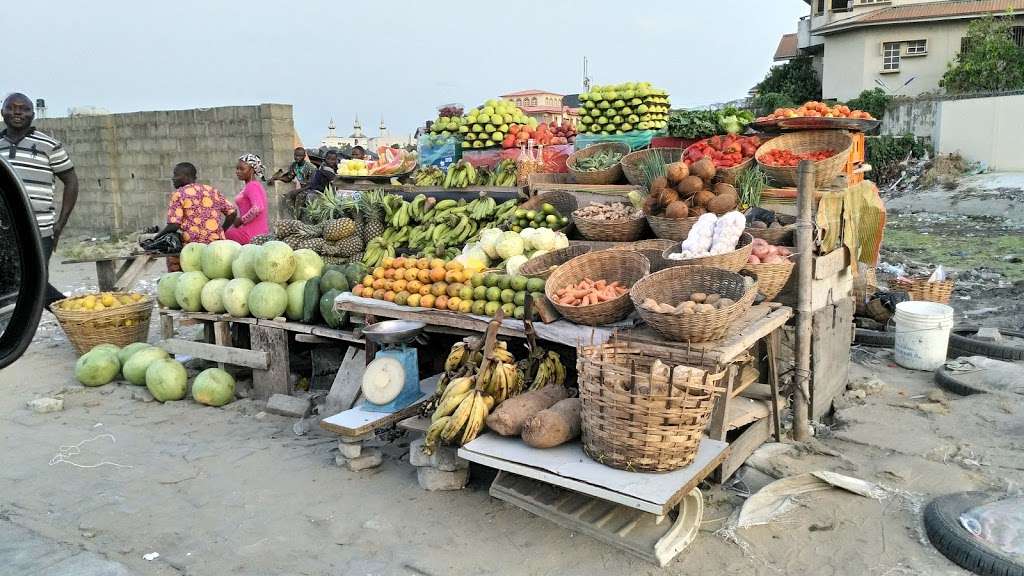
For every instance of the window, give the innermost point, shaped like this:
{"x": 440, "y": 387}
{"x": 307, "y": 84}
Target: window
{"x": 890, "y": 57}
{"x": 916, "y": 48}
{"x": 820, "y": 7}
{"x": 533, "y": 101}
{"x": 841, "y": 5}
{"x": 519, "y": 101}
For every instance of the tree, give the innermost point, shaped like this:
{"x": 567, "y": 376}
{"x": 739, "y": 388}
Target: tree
{"x": 989, "y": 59}
{"x": 795, "y": 79}
{"x": 873, "y": 102}
{"x": 768, "y": 102}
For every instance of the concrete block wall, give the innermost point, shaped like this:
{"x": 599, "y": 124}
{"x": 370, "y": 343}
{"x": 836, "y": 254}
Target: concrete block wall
{"x": 124, "y": 161}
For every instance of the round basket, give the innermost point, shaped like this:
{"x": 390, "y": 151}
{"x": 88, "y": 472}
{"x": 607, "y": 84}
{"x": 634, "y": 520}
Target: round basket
{"x": 732, "y": 261}
{"x": 564, "y": 202}
{"x": 121, "y": 326}
{"x": 808, "y": 141}
{"x": 634, "y": 420}
{"x": 921, "y": 289}
{"x": 606, "y": 231}
{"x": 620, "y": 266}
{"x": 651, "y": 249}
{"x": 671, "y": 228}
{"x": 676, "y": 284}
{"x": 542, "y": 266}
{"x": 609, "y": 175}
{"x": 729, "y": 175}
{"x": 771, "y": 278}
{"x": 776, "y": 236}
{"x": 631, "y": 163}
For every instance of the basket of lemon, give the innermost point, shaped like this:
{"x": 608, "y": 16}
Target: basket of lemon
{"x": 105, "y": 318}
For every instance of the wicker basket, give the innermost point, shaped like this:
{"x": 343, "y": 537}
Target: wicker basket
{"x": 776, "y": 236}
{"x": 631, "y": 163}
{"x": 564, "y": 202}
{"x": 771, "y": 278}
{"x": 121, "y": 326}
{"x": 609, "y": 175}
{"x": 921, "y": 289}
{"x": 808, "y": 141}
{"x": 674, "y": 285}
{"x": 542, "y": 266}
{"x": 620, "y": 266}
{"x": 605, "y": 231}
{"x": 732, "y": 261}
{"x": 633, "y": 421}
{"x": 651, "y": 249}
{"x": 671, "y": 228}
{"x": 729, "y": 175}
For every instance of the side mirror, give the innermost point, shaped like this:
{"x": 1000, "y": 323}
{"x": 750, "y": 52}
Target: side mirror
{"x": 22, "y": 268}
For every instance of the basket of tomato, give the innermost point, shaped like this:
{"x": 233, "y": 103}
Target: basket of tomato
{"x": 731, "y": 154}
{"x": 828, "y": 149}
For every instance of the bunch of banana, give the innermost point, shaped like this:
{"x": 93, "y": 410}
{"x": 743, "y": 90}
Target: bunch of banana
{"x": 457, "y": 357}
{"x": 504, "y": 174}
{"x": 482, "y": 208}
{"x": 420, "y": 206}
{"x": 483, "y": 176}
{"x": 460, "y": 175}
{"x": 501, "y": 380}
{"x": 550, "y": 371}
{"x": 461, "y": 425}
{"x": 429, "y": 176}
{"x": 400, "y": 217}
{"x": 377, "y": 250}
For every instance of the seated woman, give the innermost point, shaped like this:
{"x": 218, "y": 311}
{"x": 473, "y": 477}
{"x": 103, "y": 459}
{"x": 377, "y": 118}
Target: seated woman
{"x": 251, "y": 202}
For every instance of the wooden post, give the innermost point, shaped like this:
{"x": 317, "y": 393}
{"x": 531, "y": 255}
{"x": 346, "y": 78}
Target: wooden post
{"x": 106, "y": 276}
{"x": 805, "y": 263}
{"x": 273, "y": 380}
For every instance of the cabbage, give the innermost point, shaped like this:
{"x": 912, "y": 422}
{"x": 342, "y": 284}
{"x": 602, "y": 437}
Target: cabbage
{"x": 561, "y": 241}
{"x": 543, "y": 238}
{"x": 489, "y": 241}
{"x": 527, "y": 234}
{"x": 476, "y": 259}
{"x": 510, "y": 244}
{"x": 513, "y": 264}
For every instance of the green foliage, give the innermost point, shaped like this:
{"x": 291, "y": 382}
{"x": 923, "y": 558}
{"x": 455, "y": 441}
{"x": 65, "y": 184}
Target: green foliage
{"x": 872, "y": 101}
{"x": 990, "y": 60}
{"x": 796, "y": 79}
{"x": 765, "y": 104}
{"x": 886, "y": 153}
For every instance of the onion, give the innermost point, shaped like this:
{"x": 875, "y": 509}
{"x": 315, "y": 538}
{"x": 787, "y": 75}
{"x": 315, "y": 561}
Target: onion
{"x": 760, "y": 251}
{"x": 753, "y": 259}
{"x": 774, "y": 259}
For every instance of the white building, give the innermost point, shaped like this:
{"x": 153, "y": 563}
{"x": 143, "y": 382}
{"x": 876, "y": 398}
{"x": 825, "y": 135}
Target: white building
{"x": 358, "y": 138}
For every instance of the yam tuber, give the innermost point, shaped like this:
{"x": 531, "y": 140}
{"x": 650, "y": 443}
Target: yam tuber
{"x": 556, "y": 425}
{"x": 510, "y": 416}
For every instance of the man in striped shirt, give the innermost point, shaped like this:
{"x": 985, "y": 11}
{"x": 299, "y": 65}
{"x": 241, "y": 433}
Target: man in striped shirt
{"x": 37, "y": 158}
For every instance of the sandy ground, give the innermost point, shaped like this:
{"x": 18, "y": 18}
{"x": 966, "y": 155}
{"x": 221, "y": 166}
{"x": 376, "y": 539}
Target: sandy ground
{"x": 230, "y": 491}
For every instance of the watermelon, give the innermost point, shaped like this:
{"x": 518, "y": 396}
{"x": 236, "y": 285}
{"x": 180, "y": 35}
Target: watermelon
{"x": 217, "y": 258}
{"x": 165, "y": 290}
{"x": 213, "y": 387}
{"x": 236, "y": 296}
{"x": 134, "y": 369}
{"x": 333, "y": 280}
{"x": 307, "y": 264}
{"x": 166, "y": 380}
{"x": 296, "y": 292}
{"x": 268, "y": 300}
{"x": 244, "y": 263}
{"x": 188, "y": 291}
{"x": 355, "y": 272}
{"x": 212, "y": 295}
{"x": 97, "y": 367}
{"x": 191, "y": 257}
{"x": 275, "y": 262}
{"x": 333, "y": 318}
{"x": 128, "y": 351}
{"x": 311, "y": 301}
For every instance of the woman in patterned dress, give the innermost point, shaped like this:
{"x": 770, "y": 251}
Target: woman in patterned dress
{"x": 195, "y": 211}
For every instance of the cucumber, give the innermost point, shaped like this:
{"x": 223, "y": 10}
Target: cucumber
{"x": 311, "y": 301}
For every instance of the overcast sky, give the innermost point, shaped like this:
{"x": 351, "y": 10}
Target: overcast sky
{"x": 397, "y": 59}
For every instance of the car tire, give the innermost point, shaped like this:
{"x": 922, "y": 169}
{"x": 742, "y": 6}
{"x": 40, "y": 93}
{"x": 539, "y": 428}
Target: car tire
{"x": 950, "y": 383}
{"x": 942, "y": 524}
{"x": 874, "y": 338}
{"x": 962, "y": 344}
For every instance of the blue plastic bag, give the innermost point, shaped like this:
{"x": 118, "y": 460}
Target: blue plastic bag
{"x": 636, "y": 140}
{"x": 437, "y": 150}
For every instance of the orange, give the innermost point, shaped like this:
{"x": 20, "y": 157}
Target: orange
{"x": 411, "y": 275}
{"x": 388, "y": 283}
{"x": 427, "y": 301}
{"x": 378, "y": 284}
{"x": 454, "y": 303}
{"x": 466, "y": 306}
{"x": 367, "y": 280}
{"x": 399, "y": 285}
{"x": 389, "y": 295}
{"x": 423, "y": 264}
{"x": 389, "y": 273}
{"x": 423, "y": 276}
{"x": 425, "y": 290}
{"x": 379, "y": 294}
{"x": 388, "y": 262}
{"x": 441, "y": 303}
{"x": 437, "y": 274}
{"x": 414, "y": 286}
{"x": 358, "y": 290}
{"x": 453, "y": 265}
{"x": 437, "y": 263}
{"x": 378, "y": 272}
{"x": 410, "y": 262}
{"x": 438, "y": 288}
{"x": 367, "y": 292}
{"x": 399, "y": 262}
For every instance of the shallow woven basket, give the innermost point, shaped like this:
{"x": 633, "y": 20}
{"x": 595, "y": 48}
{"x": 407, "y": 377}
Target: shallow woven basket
{"x": 808, "y": 141}
{"x": 771, "y": 278}
{"x": 609, "y": 175}
{"x": 634, "y": 422}
{"x": 776, "y": 236}
{"x": 564, "y": 202}
{"x": 729, "y": 175}
{"x": 620, "y": 266}
{"x": 652, "y": 249}
{"x": 605, "y": 231}
{"x": 671, "y": 228}
{"x": 921, "y": 289}
{"x": 676, "y": 284}
{"x": 121, "y": 326}
{"x": 732, "y": 261}
{"x": 631, "y": 163}
{"x": 542, "y": 266}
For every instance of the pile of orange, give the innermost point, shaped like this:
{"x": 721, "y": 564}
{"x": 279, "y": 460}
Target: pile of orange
{"x": 422, "y": 283}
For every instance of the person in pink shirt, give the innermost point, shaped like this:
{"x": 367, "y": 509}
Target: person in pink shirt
{"x": 251, "y": 202}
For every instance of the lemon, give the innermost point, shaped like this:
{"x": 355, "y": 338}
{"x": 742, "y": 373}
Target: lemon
{"x": 107, "y": 299}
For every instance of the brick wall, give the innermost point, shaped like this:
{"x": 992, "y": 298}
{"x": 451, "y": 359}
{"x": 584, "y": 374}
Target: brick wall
{"x": 124, "y": 161}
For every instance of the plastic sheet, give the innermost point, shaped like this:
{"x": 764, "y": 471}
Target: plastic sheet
{"x": 999, "y": 523}
{"x": 440, "y": 151}
{"x": 554, "y": 158}
{"x": 635, "y": 140}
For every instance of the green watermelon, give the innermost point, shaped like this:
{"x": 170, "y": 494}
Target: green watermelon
{"x": 213, "y": 387}
{"x": 311, "y": 301}
{"x": 97, "y": 367}
{"x": 130, "y": 350}
{"x": 167, "y": 380}
{"x": 296, "y": 293}
{"x": 355, "y": 272}
{"x": 332, "y": 317}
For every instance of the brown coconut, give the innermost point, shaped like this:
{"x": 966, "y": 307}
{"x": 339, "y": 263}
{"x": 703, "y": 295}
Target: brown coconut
{"x": 703, "y": 169}
{"x": 689, "y": 185}
{"x": 659, "y": 182}
{"x": 698, "y": 211}
{"x": 677, "y": 209}
{"x": 676, "y": 171}
{"x": 702, "y": 198}
{"x": 724, "y": 188}
{"x": 722, "y": 203}
{"x": 668, "y": 196}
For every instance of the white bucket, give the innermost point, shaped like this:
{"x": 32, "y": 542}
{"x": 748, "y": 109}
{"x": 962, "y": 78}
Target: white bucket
{"x": 922, "y": 334}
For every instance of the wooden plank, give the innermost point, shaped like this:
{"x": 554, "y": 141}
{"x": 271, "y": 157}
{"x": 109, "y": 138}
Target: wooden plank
{"x": 743, "y": 411}
{"x": 740, "y": 449}
{"x": 356, "y": 422}
{"x": 206, "y": 316}
{"x": 129, "y": 275}
{"x": 546, "y": 310}
{"x": 105, "y": 275}
{"x": 748, "y": 376}
{"x": 274, "y": 378}
{"x": 347, "y": 383}
{"x": 717, "y": 427}
{"x": 343, "y": 335}
{"x": 832, "y": 263}
{"x": 257, "y": 360}
{"x": 415, "y": 424}
{"x": 115, "y": 258}
{"x": 569, "y": 467}
{"x": 222, "y": 336}
{"x": 830, "y": 355}
{"x": 289, "y": 326}
{"x": 166, "y": 326}
{"x": 773, "y": 344}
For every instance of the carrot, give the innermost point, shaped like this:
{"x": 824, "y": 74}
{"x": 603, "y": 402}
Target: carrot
{"x": 586, "y": 300}
{"x": 614, "y": 284}
{"x": 600, "y": 284}
{"x": 561, "y": 291}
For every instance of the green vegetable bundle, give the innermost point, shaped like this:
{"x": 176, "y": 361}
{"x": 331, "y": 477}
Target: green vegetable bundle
{"x": 599, "y": 161}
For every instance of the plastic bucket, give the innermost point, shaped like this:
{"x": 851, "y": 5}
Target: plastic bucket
{"x": 922, "y": 334}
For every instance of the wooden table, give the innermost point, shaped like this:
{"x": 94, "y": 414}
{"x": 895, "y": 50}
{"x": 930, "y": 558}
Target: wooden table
{"x": 624, "y": 509}
{"x": 110, "y": 276}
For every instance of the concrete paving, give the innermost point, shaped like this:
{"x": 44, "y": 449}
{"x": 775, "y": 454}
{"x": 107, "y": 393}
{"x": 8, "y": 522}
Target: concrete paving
{"x": 28, "y": 553}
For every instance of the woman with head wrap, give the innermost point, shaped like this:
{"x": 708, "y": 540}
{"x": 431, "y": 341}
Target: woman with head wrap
{"x": 251, "y": 201}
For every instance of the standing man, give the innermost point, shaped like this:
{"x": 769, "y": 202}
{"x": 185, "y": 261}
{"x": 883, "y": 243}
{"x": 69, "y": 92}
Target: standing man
{"x": 37, "y": 158}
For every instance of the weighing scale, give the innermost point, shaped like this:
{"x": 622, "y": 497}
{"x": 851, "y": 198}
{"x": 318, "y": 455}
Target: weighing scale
{"x": 391, "y": 381}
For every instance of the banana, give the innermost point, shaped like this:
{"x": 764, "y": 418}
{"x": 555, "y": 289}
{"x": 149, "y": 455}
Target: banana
{"x": 433, "y": 433}
{"x": 459, "y": 418}
{"x": 448, "y": 404}
{"x": 502, "y": 355}
{"x": 455, "y": 357}
{"x": 445, "y": 204}
{"x": 476, "y": 419}
{"x": 458, "y": 386}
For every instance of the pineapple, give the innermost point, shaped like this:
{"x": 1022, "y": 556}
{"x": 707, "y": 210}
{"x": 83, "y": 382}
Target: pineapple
{"x": 350, "y": 245}
{"x": 285, "y": 228}
{"x": 371, "y": 207}
{"x": 337, "y": 229}
{"x": 263, "y": 239}
{"x": 314, "y": 244}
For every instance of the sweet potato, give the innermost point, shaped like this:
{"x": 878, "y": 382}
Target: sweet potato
{"x": 556, "y": 425}
{"x": 510, "y": 416}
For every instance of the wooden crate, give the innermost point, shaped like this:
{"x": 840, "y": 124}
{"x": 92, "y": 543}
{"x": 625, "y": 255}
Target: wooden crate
{"x": 831, "y": 281}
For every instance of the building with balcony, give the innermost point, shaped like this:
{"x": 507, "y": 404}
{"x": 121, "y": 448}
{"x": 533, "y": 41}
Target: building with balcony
{"x": 903, "y": 46}
{"x": 547, "y": 107}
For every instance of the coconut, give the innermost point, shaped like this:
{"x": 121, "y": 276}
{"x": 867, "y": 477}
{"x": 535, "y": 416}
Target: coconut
{"x": 659, "y": 182}
{"x": 702, "y": 198}
{"x": 650, "y": 204}
{"x": 676, "y": 171}
{"x": 722, "y": 204}
{"x": 677, "y": 209}
{"x": 697, "y": 211}
{"x": 689, "y": 185}
{"x": 703, "y": 169}
{"x": 724, "y": 188}
{"x": 668, "y": 196}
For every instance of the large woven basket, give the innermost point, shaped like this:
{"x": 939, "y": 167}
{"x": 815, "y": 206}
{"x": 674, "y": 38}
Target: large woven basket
{"x": 651, "y": 249}
{"x": 631, "y": 163}
{"x": 121, "y": 326}
{"x": 609, "y": 175}
{"x": 730, "y": 175}
{"x": 771, "y": 278}
{"x": 633, "y": 420}
{"x": 732, "y": 261}
{"x": 671, "y": 228}
{"x": 777, "y": 236}
{"x": 920, "y": 288}
{"x": 620, "y": 266}
{"x": 564, "y": 202}
{"x": 605, "y": 231}
{"x": 676, "y": 284}
{"x": 542, "y": 266}
{"x": 808, "y": 141}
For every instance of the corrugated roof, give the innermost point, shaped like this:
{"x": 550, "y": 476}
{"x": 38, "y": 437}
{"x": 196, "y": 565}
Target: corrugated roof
{"x": 787, "y": 47}
{"x": 946, "y": 9}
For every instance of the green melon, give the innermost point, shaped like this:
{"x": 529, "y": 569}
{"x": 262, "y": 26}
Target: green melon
{"x": 112, "y": 348}
{"x": 268, "y": 300}
{"x": 165, "y": 290}
{"x": 244, "y": 264}
{"x": 296, "y": 293}
{"x": 97, "y": 367}
{"x": 217, "y": 258}
{"x": 189, "y": 291}
{"x": 334, "y": 280}
{"x": 332, "y": 317}
{"x": 134, "y": 370}
{"x": 213, "y": 387}
{"x": 275, "y": 262}
{"x": 128, "y": 351}
{"x": 212, "y": 295}
{"x": 236, "y": 296}
{"x": 307, "y": 265}
{"x": 191, "y": 257}
{"x": 167, "y": 380}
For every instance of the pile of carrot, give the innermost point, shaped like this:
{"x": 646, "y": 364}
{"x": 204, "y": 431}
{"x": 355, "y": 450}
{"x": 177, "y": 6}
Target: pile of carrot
{"x": 588, "y": 292}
